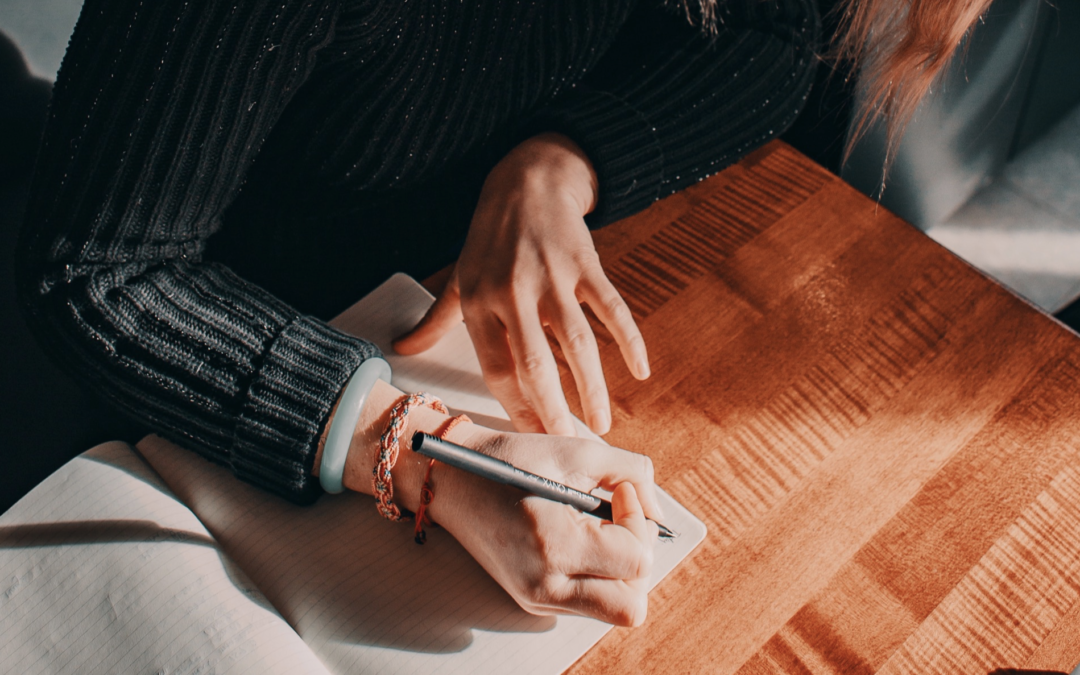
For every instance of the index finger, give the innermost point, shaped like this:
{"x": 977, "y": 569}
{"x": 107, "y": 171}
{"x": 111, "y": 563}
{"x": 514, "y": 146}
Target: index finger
{"x": 623, "y": 548}
{"x": 609, "y": 466}
{"x": 627, "y": 513}
{"x": 613, "y": 312}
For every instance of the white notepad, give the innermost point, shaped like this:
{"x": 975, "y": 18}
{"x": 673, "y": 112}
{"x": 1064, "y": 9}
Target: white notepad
{"x": 109, "y": 566}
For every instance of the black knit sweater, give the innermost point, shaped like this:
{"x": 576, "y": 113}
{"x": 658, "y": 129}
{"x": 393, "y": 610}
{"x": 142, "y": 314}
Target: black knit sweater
{"x": 167, "y": 112}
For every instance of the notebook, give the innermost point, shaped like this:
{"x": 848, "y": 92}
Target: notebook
{"x": 153, "y": 560}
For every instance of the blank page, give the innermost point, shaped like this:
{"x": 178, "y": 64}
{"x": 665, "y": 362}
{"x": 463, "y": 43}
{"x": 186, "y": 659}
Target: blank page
{"x": 102, "y": 570}
{"x": 356, "y": 587}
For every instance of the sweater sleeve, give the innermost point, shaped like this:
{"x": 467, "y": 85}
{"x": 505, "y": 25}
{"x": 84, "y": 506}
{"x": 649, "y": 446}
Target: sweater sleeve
{"x": 668, "y": 105}
{"x": 158, "y": 111}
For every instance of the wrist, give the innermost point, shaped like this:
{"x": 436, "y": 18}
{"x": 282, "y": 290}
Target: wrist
{"x": 364, "y": 452}
{"x": 459, "y": 495}
{"x": 549, "y": 163}
{"x": 337, "y": 436}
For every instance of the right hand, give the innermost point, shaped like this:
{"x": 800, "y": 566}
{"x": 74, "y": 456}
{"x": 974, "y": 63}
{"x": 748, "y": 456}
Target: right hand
{"x": 550, "y": 558}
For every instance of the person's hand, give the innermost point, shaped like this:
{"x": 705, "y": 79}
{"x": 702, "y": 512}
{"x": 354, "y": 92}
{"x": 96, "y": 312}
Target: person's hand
{"x": 529, "y": 261}
{"x": 550, "y": 558}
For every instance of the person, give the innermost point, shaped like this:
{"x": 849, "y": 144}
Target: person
{"x": 218, "y": 178}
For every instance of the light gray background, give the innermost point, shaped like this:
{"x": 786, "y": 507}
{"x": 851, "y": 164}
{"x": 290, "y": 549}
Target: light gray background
{"x": 41, "y": 29}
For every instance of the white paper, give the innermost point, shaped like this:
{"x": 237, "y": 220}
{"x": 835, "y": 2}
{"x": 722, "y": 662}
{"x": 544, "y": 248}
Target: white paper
{"x": 103, "y": 571}
{"x": 356, "y": 587}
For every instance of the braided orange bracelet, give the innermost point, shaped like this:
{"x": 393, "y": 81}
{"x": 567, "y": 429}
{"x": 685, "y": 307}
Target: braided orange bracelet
{"x": 382, "y": 482}
{"x": 427, "y": 492}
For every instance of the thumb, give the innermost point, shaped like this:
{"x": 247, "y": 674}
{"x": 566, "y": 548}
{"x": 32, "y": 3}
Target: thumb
{"x": 443, "y": 315}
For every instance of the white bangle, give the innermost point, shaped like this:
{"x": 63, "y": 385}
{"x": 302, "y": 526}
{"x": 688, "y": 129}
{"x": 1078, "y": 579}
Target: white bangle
{"x": 338, "y": 439}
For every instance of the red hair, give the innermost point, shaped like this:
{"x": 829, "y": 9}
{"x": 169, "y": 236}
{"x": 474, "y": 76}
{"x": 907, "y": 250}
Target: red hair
{"x": 899, "y": 49}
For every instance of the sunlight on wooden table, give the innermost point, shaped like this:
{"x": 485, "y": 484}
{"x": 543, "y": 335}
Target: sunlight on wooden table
{"x": 880, "y": 439}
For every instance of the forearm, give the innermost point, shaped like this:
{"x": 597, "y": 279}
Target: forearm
{"x": 152, "y": 127}
{"x": 209, "y": 361}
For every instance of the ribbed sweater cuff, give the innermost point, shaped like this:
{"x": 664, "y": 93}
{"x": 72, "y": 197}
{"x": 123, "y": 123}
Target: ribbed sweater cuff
{"x": 289, "y": 403}
{"x": 620, "y": 142}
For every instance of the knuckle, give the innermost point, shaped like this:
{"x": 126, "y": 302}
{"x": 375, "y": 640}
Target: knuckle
{"x": 594, "y": 389}
{"x": 532, "y": 365}
{"x": 616, "y": 308}
{"x": 470, "y": 306}
{"x": 470, "y": 288}
{"x": 579, "y": 341}
{"x": 587, "y": 259}
{"x": 516, "y": 295}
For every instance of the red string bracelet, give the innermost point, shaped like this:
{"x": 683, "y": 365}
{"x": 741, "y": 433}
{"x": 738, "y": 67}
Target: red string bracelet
{"x": 382, "y": 482}
{"x": 427, "y": 492}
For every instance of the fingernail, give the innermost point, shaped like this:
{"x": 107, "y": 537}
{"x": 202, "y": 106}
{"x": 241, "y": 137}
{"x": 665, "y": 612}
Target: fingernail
{"x": 643, "y": 368}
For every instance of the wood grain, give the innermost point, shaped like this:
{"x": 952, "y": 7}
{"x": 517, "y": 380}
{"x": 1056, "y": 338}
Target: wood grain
{"x": 882, "y": 441}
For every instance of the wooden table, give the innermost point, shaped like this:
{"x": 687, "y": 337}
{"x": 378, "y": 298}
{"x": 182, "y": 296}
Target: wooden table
{"x": 881, "y": 441}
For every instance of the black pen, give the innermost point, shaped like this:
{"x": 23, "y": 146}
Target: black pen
{"x": 503, "y": 472}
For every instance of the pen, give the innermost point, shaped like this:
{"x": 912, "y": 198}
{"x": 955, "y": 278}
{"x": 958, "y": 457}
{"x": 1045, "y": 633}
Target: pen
{"x": 503, "y": 472}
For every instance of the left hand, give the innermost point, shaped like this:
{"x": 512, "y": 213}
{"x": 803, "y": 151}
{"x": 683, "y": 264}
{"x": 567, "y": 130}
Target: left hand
{"x": 529, "y": 261}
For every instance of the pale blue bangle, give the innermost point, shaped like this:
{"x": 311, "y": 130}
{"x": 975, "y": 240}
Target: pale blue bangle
{"x": 338, "y": 439}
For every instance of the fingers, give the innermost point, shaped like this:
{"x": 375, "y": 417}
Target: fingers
{"x": 500, "y": 374}
{"x": 597, "y": 569}
{"x": 537, "y": 372}
{"x": 443, "y": 315}
{"x": 610, "y": 466}
{"x": 627, "y": 513}
{"x": 579, "y": 346}
{"x": 622, "y": 549}
{"x": 612, "y": 579}
{"x": 611, "y": 309}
